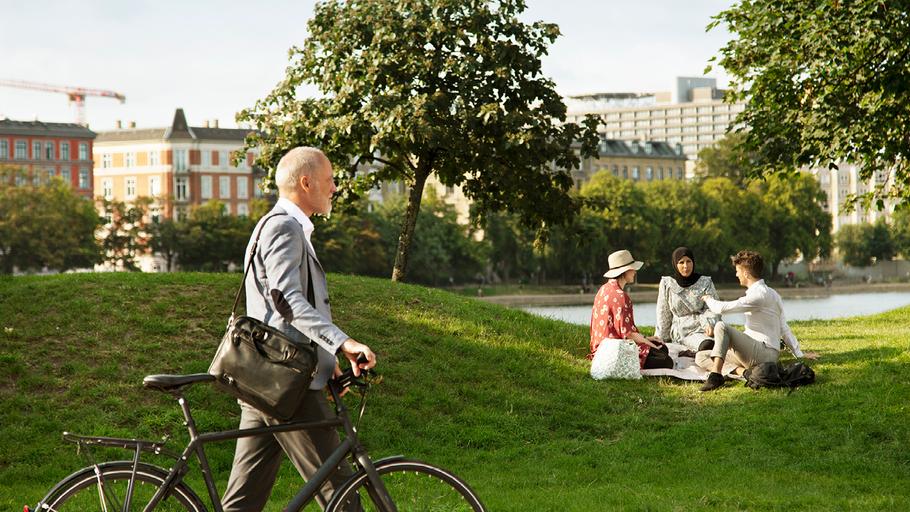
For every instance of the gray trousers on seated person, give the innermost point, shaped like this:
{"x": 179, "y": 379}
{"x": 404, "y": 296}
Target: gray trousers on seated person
{"x": 257, "y": 459}
{"x": 737, "y": 348}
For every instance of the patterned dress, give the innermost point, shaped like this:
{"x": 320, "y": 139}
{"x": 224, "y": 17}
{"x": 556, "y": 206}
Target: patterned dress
{"x": 612, "y": 318}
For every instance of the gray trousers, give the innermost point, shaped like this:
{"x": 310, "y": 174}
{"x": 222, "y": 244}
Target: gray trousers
{"x": 257, "y": 459}
{"x": 737, "y": 348}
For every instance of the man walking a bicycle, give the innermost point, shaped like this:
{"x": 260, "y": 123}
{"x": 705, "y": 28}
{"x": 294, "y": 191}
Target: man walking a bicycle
{"x": 287, "y": 277}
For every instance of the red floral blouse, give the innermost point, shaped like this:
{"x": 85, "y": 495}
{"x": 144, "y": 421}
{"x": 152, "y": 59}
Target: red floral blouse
{"x": 612, "y": 318}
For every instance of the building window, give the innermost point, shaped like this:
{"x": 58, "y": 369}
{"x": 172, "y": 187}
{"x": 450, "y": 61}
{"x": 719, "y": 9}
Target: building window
{"x": 51, "y": 172}
{"x": 130, "y": 159}
{"x": 154, "y": 186}
{"x": 153, "y": 158}
{"x": 182, "y": 190}
{"x": 4, "y": 148}
{"x": 660, "y": 173}
{"x": 83, "y": 178}
{"x": 83, "y": 151}
{"x": 243, "y": 191}
{"x": 49, "y": 152}
{"x": 257, "y": 187}
{"x": 155, "y": 214}
{"x": 206, "y": 159}
{"x": 679, "y": 173}
{"x": 36, "y": 150}
{"x": 67, "y": 177}
{"x": 106, "y": 161}
{"x": 179, "y": 159}
{"x": 36, "y": 178}
{"x": 222, "y": 159}
{"x": 616, "y": 171}
{"x": 21, "y": 150}
{"x": 625, "y": 171}
{"x": 130, "y": 187}
{"x": 205, "y": 186}
{"x": 635, "y": 173}
{"x": 224, "y": 187}
{"x": 649, "y": 173}
{"x": 64, "y": 151}
{"x": 243, "y": 210}
{"x": 107, "y": 188}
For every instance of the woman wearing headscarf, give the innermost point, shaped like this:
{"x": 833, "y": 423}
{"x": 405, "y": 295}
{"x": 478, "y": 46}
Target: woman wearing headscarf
{"x": 682, "y": 315}
{"x": 612, "y": 318}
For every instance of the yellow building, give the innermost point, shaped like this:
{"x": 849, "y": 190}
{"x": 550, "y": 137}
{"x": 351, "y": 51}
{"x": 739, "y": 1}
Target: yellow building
{"x": 648, "y": 161}
{"x": 178, "y": 166}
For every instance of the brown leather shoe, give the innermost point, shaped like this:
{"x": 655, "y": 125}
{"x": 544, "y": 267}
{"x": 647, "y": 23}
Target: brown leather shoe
{"x": 715, "y": 380}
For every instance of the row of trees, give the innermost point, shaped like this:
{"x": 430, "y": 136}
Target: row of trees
{"x": 861, "y": 245}
{"x": 50, "y": 226}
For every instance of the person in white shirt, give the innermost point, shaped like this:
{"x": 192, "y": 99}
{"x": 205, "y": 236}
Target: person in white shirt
{"x": 766, "y": 325}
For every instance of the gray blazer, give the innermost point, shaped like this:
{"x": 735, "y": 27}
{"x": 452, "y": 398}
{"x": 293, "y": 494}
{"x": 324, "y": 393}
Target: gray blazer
{"x": 276, "y": 289}
{"x": 681, "y": 313}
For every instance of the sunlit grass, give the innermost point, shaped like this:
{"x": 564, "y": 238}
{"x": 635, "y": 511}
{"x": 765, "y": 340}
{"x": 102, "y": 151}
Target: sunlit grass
{"x": 501, "y": 397}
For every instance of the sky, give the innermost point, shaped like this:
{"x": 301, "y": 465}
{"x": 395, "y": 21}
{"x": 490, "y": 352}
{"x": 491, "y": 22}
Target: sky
{"x": 215, "y": 57}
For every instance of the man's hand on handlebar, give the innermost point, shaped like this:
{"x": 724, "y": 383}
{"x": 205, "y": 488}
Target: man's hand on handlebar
{"x": 360, "y": 355}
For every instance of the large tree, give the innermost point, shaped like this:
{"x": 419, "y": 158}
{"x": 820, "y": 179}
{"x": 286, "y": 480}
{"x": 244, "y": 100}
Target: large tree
{"x": 44, "y": 225}
{"x": 450, "y": 88}
{"x": 825, "y": 81}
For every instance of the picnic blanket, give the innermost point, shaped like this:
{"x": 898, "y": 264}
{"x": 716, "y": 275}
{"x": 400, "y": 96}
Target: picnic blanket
{"x": 685, "y": 367}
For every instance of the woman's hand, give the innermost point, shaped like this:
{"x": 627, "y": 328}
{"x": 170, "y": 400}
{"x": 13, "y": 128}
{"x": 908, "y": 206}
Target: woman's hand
{"x": 709, "y": 331}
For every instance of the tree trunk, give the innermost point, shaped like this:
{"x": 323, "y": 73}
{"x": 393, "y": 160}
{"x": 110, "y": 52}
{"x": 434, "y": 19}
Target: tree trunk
{"x": 408, "y": 224}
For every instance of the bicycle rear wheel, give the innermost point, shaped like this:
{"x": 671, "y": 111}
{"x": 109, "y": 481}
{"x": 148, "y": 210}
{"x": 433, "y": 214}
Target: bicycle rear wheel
{"x": 412, "y": 485}
{"x": 106, "y": 489}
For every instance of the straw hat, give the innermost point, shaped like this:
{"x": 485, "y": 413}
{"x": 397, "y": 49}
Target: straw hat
{"x": 620, "y": 261}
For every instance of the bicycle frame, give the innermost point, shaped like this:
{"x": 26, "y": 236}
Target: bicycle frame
{"x": 349, "y": 445}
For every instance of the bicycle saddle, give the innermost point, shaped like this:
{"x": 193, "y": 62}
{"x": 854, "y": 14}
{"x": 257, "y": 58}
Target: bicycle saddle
{"x": 174, "y": 382}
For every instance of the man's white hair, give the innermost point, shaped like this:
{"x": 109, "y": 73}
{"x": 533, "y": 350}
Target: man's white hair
{"x": 298, "y": 162}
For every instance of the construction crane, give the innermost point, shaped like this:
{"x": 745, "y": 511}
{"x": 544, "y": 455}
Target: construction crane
{"x": 76, "y": 94}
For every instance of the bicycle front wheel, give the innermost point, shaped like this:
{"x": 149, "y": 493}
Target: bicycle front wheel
{"x": 105, "y": 488}
{"x": 412, "y": 485}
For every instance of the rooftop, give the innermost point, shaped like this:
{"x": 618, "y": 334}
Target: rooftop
{"x": 42, "y": 129}
{"x": 179, "y": 129}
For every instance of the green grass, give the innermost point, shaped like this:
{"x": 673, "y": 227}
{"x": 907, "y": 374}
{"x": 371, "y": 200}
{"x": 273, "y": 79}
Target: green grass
{"x": 499, "y": 396}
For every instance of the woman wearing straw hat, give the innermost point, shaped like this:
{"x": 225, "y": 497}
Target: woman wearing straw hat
{"x": 612, "y": 316}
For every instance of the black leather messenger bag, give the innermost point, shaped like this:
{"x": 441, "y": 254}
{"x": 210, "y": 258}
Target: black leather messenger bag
{"x": 260, "y": 364}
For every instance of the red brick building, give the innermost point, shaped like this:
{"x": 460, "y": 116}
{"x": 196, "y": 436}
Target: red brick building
{"x": 48, "y": 150}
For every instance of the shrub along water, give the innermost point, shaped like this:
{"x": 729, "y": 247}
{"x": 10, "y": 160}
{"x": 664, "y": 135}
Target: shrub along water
{"x": 501, "y": 397}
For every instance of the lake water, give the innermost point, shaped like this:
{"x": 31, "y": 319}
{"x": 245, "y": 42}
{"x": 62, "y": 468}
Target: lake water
{"x": 822, "y": 308}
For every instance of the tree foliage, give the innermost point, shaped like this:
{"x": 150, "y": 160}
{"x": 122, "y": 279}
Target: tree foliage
{"x": 125, "y": 236}
{"x": 45, "y": 225}
{"x": 436, "y": 87}
{"x": 726, "y": 159}
{"x": 211, "y": 239}
{"x": 825, "y": 82}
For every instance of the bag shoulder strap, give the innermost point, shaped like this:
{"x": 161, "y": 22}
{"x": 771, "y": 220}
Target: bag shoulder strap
{"x": 249, "y": 264}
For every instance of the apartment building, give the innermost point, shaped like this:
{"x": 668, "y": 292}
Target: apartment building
{"x": 47, "y": 150}
{"x": 838, "y": 184}
{"x": 693, "y": 116}
{"x": 647, "y": 161}
{"x": 178, "y": 166}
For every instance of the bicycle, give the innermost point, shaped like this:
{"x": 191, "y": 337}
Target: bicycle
{"x": 389, "y": 484}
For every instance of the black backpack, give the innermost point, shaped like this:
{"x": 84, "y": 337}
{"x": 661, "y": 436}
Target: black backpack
{"x": 776, "y": 375}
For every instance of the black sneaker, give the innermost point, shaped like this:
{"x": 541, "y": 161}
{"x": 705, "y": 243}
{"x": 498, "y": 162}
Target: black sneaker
{"x": 715, "y": 380}
{"x": 706, "y": 344}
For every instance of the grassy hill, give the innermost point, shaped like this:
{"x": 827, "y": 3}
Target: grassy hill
{"x": 499, "y": 396}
